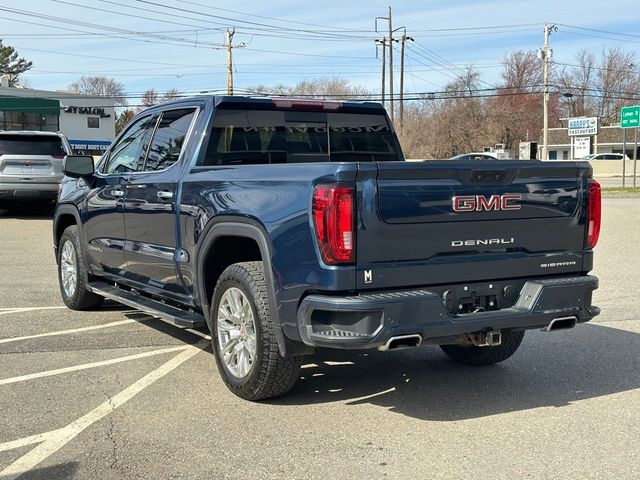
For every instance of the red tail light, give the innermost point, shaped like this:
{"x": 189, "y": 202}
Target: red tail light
{"x": 58, "y": 156}
{"x": 333, "y": 218}
{"x": 594, "y": 213}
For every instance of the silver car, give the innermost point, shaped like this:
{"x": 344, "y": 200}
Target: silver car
{"x": 30, "y": 166}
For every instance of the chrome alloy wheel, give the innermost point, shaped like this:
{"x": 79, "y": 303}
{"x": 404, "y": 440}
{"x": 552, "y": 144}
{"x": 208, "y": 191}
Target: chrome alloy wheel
{"x": 69, "y": 268}
{"x": 236, "y": 332}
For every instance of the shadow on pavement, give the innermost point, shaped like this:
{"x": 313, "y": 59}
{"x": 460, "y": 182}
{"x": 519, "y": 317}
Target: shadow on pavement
{"x": 30, "y": 212}
{"x": 167, "y": 328}
{"x": 55, "y": 472}
{"x": 549, "y": 370}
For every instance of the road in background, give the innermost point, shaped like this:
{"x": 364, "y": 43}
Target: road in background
{"x": 137, "y": 398}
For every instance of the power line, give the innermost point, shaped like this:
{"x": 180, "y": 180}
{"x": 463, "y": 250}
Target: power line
{"x": 118, "y": 31}
{"x": 55, "y": 52}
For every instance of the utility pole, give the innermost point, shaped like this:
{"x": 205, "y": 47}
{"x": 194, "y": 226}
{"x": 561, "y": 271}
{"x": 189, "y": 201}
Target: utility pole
{"x": 403, "y": 40}
{"x": 546, "y": 56}
{"x": 390, "y": 66}
{"x": 383, "y": 42}
{"x": 229, "y": 46}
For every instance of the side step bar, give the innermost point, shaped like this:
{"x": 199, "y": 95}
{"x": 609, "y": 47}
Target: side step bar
{"x": 178, "y": 317}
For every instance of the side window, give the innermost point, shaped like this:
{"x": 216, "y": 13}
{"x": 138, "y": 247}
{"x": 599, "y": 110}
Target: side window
{"x": 169, "y": 138}
{"x": 127, "y": 155}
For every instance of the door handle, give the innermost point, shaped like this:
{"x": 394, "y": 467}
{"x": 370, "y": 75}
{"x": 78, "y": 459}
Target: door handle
{"x": 165, "y": 195}
{"x": 117, "y": 193}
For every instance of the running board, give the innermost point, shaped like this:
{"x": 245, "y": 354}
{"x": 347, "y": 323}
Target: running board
{"x": 178, "y": 317}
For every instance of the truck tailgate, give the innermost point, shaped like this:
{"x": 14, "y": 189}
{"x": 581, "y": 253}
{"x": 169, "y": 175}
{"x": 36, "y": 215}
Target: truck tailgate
{"x": 441, "y": 222}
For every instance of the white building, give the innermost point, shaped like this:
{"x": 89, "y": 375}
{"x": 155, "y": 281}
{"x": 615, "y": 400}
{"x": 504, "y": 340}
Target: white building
{"x": 88, "y": 121}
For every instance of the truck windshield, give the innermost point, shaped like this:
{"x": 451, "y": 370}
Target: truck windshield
{"x": 243, "y": 137}
{"x": 31, "y": 145}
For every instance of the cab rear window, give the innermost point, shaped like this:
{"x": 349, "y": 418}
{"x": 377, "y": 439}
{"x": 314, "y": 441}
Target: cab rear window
{"x": 244, "y": 137}
{"x": 31, "y": 145}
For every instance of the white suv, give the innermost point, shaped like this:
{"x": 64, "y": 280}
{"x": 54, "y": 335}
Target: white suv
{"x": 30, "y": 166}
{"x": 604, "y": 156}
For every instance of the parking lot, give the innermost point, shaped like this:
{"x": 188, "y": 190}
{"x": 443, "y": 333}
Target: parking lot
{"x": 115, "y": 394}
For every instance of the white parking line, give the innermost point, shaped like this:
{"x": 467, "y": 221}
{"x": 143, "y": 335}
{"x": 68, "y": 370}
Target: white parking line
{"x": 57, "y": 439}
{"x": 200, "y": 334}
{"x": 23, "y": 442}
{"x": 85, "y": 366}
{"x": 65, "y": 332}
{"x": 6, "y": 311}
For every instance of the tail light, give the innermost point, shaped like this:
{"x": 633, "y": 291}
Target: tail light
{"x": 303, "y": 104}
{"x": 333, "y": 218}
{"x": 594, "y": 213}
{"x": 58, "y": 156}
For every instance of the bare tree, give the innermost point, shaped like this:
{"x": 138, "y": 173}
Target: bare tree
{"x": 11, "y": 64}
{"x": 151, "y": 97}
{"x": 324, "y": 88}
{"x": 600, "y": 88}
{"x": 101, "y": 86}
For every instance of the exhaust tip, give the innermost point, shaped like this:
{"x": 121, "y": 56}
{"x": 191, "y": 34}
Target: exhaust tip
{"x": 402, "y": 341}
{"x": 561, "y": 323}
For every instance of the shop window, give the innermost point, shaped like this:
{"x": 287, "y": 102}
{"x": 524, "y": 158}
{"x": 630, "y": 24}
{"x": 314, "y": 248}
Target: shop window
{"x": 93, "y": 122}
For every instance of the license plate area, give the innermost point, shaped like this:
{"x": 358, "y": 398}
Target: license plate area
{"x": 468, "y": 298}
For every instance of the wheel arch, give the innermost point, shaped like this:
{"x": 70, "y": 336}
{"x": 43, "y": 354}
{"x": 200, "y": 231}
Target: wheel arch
{"x": 65, "y": 216}
{"x": 248, "y": 239}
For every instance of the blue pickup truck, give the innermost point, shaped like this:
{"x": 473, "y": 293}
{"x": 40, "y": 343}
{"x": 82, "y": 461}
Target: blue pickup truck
{"x": 288, "y": 225}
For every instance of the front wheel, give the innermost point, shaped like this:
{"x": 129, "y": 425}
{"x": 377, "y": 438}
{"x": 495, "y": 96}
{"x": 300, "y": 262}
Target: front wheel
{"x": 244, "y": 336}
{"x": 72, "y": 273}
{"x": 472, "y": 355}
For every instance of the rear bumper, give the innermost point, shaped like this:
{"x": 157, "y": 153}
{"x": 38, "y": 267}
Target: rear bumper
{"x": 28, "y": 191}
{"x": 369, "y": 320}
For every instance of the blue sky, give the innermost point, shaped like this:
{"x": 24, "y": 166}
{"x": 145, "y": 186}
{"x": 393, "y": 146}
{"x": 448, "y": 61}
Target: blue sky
{"x": 288, "y": 41}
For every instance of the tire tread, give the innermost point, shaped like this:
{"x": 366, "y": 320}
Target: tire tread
{"x": 277, "y": 374}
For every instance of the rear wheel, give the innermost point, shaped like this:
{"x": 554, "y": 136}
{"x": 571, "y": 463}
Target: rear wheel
{"x": 72, "y": 273}
{"x": 472, "y": 355}
{"x": 244, "y": 336}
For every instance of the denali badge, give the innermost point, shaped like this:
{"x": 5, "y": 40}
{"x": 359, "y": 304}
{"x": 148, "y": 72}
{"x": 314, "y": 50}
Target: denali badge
{"x": 478, "y": 203}
{"x": 482, "y": 241}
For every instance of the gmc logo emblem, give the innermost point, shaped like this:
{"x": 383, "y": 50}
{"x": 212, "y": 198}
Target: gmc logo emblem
{"x": 478, "y": 203}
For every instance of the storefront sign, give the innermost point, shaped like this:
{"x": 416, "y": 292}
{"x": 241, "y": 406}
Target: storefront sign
{"x": 581, "y": 147}
{"x": 583, "y": 126}
{"x": 90, "y": 145}
{"x": 86, "y": 111}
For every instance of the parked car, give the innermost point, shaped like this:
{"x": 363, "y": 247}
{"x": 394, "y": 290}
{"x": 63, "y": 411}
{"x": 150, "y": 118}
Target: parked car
{"x": 30, "y": 166}
{"x": 475, "y": 156}
{"x": 286, "y": 225}
{"x": 604, "y": 156}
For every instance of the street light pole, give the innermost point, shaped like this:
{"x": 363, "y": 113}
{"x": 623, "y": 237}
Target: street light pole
{"x": 546, "y": 54}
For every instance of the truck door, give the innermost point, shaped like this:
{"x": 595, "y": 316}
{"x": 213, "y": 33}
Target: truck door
{"x": 151, "y": 247}
{"x": 104, "y": 223}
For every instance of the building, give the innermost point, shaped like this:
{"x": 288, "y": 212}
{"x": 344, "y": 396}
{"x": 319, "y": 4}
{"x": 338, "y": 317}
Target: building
{"x": 87, "y": 121}
{"x": 608, "y": 140}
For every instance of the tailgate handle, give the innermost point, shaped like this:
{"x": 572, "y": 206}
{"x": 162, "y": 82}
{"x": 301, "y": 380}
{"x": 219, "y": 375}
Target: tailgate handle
{"x": 488, "y": 176}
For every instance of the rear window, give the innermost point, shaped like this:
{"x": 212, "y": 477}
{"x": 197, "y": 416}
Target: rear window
{"x": 244, "y": 137}
{"x": 31, "y": 145}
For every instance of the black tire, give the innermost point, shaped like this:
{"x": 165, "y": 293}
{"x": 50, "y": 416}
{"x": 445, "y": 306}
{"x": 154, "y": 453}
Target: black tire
{"x": 270, "y": 374}
{"x": 475, "y": 356}
{"x": 81, "y": 298}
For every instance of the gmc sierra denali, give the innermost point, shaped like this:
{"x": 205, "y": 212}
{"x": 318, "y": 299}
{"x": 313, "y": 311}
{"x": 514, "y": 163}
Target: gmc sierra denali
{"x": 286, "y": 225}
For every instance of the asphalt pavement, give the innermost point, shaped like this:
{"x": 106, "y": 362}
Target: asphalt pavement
{"x": 115, "y": 394}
